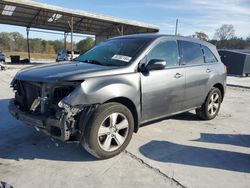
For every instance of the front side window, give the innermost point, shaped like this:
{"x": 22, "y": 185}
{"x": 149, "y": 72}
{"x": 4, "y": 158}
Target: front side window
{"x": 115, "y": 52}
{"x": 191, "y": 53}
{"x": 167, "y": 51}
{"x": 209, "y": 56}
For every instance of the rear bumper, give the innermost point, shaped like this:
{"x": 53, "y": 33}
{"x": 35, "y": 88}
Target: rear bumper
{"x": 43, "y": 123}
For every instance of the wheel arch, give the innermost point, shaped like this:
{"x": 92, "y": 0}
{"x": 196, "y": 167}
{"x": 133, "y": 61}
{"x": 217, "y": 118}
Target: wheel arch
{"x": 221, "y": 88}
{"x": 130, "y": 105}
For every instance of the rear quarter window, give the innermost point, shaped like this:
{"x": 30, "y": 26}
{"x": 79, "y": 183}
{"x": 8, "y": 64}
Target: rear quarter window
{"x": 209, "y": 56}
{"x": 191, "y": 53}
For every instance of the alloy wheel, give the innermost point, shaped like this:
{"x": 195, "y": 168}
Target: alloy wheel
{"x": 213, "y": 104}
{"x": 113, "y": 132}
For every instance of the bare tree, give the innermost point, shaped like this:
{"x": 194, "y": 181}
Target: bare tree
{"x": 201, "y": 35}
{"x": 225, "y": 32}
{"x": 248, "y": 38}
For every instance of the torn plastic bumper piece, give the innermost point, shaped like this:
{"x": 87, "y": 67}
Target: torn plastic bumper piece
{"x": 61, "y": 127}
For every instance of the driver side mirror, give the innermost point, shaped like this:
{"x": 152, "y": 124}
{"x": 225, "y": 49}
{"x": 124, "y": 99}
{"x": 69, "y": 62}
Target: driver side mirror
{"x": 156, "y": 64}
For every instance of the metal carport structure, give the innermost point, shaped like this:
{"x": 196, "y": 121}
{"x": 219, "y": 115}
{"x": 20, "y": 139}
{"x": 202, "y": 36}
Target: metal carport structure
{"x": 32, "y": 14}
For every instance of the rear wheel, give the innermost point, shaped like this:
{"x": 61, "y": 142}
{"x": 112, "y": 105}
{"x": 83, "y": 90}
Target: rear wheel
{"x": 109, "y": 131}
{"x": 211, "y": 106}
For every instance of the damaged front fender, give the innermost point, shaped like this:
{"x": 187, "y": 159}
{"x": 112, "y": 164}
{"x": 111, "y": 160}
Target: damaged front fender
{"x": 101, "y": 89}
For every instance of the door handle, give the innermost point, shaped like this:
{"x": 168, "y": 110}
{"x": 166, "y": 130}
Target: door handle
{"x": 208, "y": 70}
{"x": 178, "y": 75}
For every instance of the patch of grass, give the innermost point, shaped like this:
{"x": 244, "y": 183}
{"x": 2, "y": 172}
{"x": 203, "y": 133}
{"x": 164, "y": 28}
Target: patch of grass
{"x": 24, "y": 55}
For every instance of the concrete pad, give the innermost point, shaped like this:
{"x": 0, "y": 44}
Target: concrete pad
{"x": 201, "y": 153}
{"x": 238, "y": 81}
{"x": 180, "y": 151}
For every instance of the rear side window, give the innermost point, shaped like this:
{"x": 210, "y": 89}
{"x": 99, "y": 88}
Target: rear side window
{"x": 209, "y": 56}
{"x": 191, "y": 53}
{"x": 167, "y": 51}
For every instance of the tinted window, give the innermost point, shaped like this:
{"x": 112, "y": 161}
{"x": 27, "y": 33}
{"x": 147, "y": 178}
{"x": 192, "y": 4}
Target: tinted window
{"x": 115, "y": 52}
{"x": 209, "y": 56}
{"x": 191, "y": 53}
{"x": 167, "y": 51}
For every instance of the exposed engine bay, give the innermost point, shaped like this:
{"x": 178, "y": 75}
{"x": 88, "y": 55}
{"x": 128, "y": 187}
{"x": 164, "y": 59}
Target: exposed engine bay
{"x": 41, "y": 104}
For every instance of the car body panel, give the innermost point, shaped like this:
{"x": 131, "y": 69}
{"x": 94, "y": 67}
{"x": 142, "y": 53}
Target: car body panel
{"x": 101, "y": 89}
{"x": 197, "y": 79}
{"x": 67, "y": 71}
{"x": 162, "y": 87}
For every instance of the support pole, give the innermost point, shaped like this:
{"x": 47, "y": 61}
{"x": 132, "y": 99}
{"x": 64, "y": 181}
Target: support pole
{"x": 65, "y": 40}
{"x": 121, "y": 29}
{"x": 72, "y": 30}
{"x": 176, "y": 26}
{"x": 28, "y": 42}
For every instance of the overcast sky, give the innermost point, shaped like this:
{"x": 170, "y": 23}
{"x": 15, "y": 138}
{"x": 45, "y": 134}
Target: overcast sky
{"x": 193, "y": 15}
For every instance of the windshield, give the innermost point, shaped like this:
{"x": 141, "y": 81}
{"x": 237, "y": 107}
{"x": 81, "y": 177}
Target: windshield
{"x": 115, "y": 52}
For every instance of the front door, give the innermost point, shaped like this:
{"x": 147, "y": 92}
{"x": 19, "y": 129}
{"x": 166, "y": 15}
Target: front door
{"x": 163, "y": 90}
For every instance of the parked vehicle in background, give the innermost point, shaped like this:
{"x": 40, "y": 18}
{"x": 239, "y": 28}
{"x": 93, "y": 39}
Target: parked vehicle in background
{"x": 103, "y": 96}
{"x": 66, "y": 55}
{"x": 2, "y": 57}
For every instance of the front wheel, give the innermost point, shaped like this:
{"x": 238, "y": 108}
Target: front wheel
{"x": 211, "y": 106}
{"x": 109, "y": 130}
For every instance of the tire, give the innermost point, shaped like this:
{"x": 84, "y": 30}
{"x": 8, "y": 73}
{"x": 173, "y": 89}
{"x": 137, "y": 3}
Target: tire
{"x": 211, "y": 106}
{"x": 105, "y": 138}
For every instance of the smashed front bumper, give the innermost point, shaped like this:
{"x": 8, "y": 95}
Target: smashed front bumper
{"x": 51, "y": 126}
{"x": 63, "y": 128}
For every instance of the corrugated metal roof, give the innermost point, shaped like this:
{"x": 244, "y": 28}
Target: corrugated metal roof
{"x": 43, "y": 16}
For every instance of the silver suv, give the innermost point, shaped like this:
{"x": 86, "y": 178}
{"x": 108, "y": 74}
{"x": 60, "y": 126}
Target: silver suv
{"x": 104, "y": 96}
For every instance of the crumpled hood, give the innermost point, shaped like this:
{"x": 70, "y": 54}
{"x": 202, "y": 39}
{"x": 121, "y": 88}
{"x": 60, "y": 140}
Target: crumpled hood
{"x": 66, "y": 71}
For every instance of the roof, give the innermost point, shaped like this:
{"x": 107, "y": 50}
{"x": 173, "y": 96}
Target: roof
{"x": 43, "y": 16}
{"x": 174, "y": 37}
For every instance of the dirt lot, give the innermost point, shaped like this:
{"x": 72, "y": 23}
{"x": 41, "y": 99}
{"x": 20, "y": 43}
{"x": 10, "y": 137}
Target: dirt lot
{"x": 180, "y": 151}
{"x": 32, "y": 55}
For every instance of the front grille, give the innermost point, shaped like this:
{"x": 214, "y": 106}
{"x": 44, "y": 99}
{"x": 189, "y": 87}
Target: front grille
{"x": 26, "y": 93}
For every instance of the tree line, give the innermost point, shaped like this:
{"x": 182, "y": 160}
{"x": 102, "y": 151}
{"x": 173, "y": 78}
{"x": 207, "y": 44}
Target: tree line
{"x": 224, "y": 37}
{"x": 14, "y": 41}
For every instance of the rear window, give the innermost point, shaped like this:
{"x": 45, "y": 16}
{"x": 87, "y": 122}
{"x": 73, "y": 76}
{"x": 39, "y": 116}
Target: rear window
{"x": 209, "y": 56}
{"x": 191, "y": 53}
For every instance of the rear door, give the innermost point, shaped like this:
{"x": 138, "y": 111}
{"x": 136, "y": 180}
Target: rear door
{"x": 163, "y": 90}
{"x": 197, "y": 73}
{"x": 212, "y": 65}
